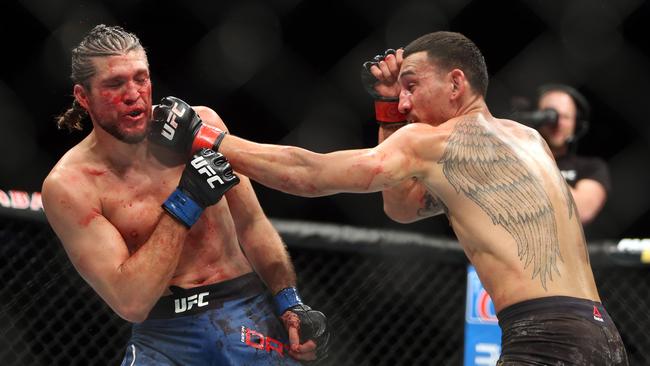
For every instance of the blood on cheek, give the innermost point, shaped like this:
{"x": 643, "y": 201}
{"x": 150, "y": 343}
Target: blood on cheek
{"x": 111, "y": 98}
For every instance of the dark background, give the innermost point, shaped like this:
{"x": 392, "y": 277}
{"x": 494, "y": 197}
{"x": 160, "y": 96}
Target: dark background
{"x": 288, "y": 72}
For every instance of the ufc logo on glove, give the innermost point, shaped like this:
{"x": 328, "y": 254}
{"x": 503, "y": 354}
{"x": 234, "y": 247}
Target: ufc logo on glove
{"x": 201, "y": 165}
{"x": 169, "y": 129}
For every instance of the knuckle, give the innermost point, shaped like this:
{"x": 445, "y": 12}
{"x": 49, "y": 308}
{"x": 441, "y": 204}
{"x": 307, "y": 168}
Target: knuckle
{"x": 368, "y": 64}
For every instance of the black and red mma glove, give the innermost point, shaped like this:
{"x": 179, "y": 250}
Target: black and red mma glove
{"x": 386, "y": 107}
{"x": 177, "y": 126}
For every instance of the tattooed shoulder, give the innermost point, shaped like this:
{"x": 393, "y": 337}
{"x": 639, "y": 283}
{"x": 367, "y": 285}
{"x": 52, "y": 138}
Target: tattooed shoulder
{"x": 431, "y": 206}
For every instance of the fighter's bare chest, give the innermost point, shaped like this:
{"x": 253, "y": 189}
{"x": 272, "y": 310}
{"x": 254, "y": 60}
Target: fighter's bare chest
{"x": 132, "y": 203}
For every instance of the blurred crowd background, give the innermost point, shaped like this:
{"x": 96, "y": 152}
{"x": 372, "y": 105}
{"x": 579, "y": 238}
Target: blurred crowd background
{"x": 287, "y": 71}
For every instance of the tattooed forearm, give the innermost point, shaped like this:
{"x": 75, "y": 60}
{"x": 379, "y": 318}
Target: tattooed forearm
{"x": 489, "y": 172}
{"x": 431, "y": 206}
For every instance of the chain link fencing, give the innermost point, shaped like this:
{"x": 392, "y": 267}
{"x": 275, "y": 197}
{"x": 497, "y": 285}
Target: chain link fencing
{"x": 392, "y": 298}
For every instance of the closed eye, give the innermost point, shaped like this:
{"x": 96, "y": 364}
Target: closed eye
{"x": 113, "y": 83}
{"x": 141, "y": 79}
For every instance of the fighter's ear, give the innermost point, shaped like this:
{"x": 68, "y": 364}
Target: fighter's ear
{"x": 80, "y": 95}
{"x": 458, "y": 83}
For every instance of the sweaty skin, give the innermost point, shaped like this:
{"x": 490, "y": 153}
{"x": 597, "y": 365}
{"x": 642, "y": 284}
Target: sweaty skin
{"x": 495, "y": 179}
{"x": 103, "y": 199}
{"x": 105, "y": 219}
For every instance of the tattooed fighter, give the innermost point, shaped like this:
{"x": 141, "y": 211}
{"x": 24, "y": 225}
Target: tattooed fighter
{"x": 441, "y": 151}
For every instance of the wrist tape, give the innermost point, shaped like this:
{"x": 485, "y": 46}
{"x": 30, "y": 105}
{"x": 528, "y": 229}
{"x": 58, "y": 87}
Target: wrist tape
{"x": 207, "y": 137}
{"x": 386, "y": 111}
{"x": 285, "y": 299}
{"x": 182, "y": 207}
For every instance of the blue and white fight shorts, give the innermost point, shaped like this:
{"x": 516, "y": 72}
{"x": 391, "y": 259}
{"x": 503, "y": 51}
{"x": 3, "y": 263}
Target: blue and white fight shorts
{"x": 228, "y": 323}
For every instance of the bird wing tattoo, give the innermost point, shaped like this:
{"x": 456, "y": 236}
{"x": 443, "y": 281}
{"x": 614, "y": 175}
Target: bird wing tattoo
{"x": 487, "y": 170}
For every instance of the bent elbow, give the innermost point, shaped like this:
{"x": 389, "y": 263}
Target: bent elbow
{"x": 132, "y": 313}
{"x": 403, "y": 219}
{"x": 399, "y": 215}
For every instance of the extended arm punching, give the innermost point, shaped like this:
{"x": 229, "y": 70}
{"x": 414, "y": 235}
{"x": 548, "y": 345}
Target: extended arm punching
{"x": 301, "y": 172}
{"x": 304, "y": 173}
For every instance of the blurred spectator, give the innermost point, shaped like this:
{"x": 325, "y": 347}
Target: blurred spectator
{"x": 562, "y": 118}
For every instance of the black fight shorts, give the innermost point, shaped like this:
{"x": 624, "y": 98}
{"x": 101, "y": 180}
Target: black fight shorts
{"x": 559, "y": 330}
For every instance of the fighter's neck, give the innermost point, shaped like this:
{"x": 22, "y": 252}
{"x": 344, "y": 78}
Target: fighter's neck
{"x": 474, "y": 104}
{"x": 118, "y": 154}
{"x": 121, "y": 157}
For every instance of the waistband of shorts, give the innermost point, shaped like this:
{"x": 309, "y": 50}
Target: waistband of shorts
{"x": 196, "y": 300}
{"x": 552, "y": 305}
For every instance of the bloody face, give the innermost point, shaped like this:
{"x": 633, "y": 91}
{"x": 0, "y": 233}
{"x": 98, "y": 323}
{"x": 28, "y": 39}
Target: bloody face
{"x": 119, "y": 99}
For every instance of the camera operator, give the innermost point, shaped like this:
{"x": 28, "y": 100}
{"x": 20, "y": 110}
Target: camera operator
{"x": 562, "y": 119}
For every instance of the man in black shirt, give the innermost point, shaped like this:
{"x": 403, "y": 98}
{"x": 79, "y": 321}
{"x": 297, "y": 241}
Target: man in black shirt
{"x": 588, "y": 176}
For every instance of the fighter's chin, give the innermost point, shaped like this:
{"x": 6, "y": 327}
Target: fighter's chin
{"x": 133, "y": 138}
{"x": 126, "y": 136}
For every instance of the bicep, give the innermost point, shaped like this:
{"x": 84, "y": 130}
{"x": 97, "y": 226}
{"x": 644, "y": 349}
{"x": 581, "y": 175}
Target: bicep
{"x": 395, "y": 160}
{"x": 354, "y": 171}
{"x": 94, "y": 246}
{"x": 362, "y": 170}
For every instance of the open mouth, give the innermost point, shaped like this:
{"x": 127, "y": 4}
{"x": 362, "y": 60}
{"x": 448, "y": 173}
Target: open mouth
{"x": 136, "y": 113}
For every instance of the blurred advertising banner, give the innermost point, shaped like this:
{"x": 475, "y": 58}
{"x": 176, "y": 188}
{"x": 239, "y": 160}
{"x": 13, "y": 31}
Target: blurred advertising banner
{"x": 22, "y": 204}
{"x": 482, "y": 332}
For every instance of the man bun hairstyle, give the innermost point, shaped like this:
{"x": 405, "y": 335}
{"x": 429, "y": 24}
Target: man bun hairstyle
{"x": 101, "y": 41}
